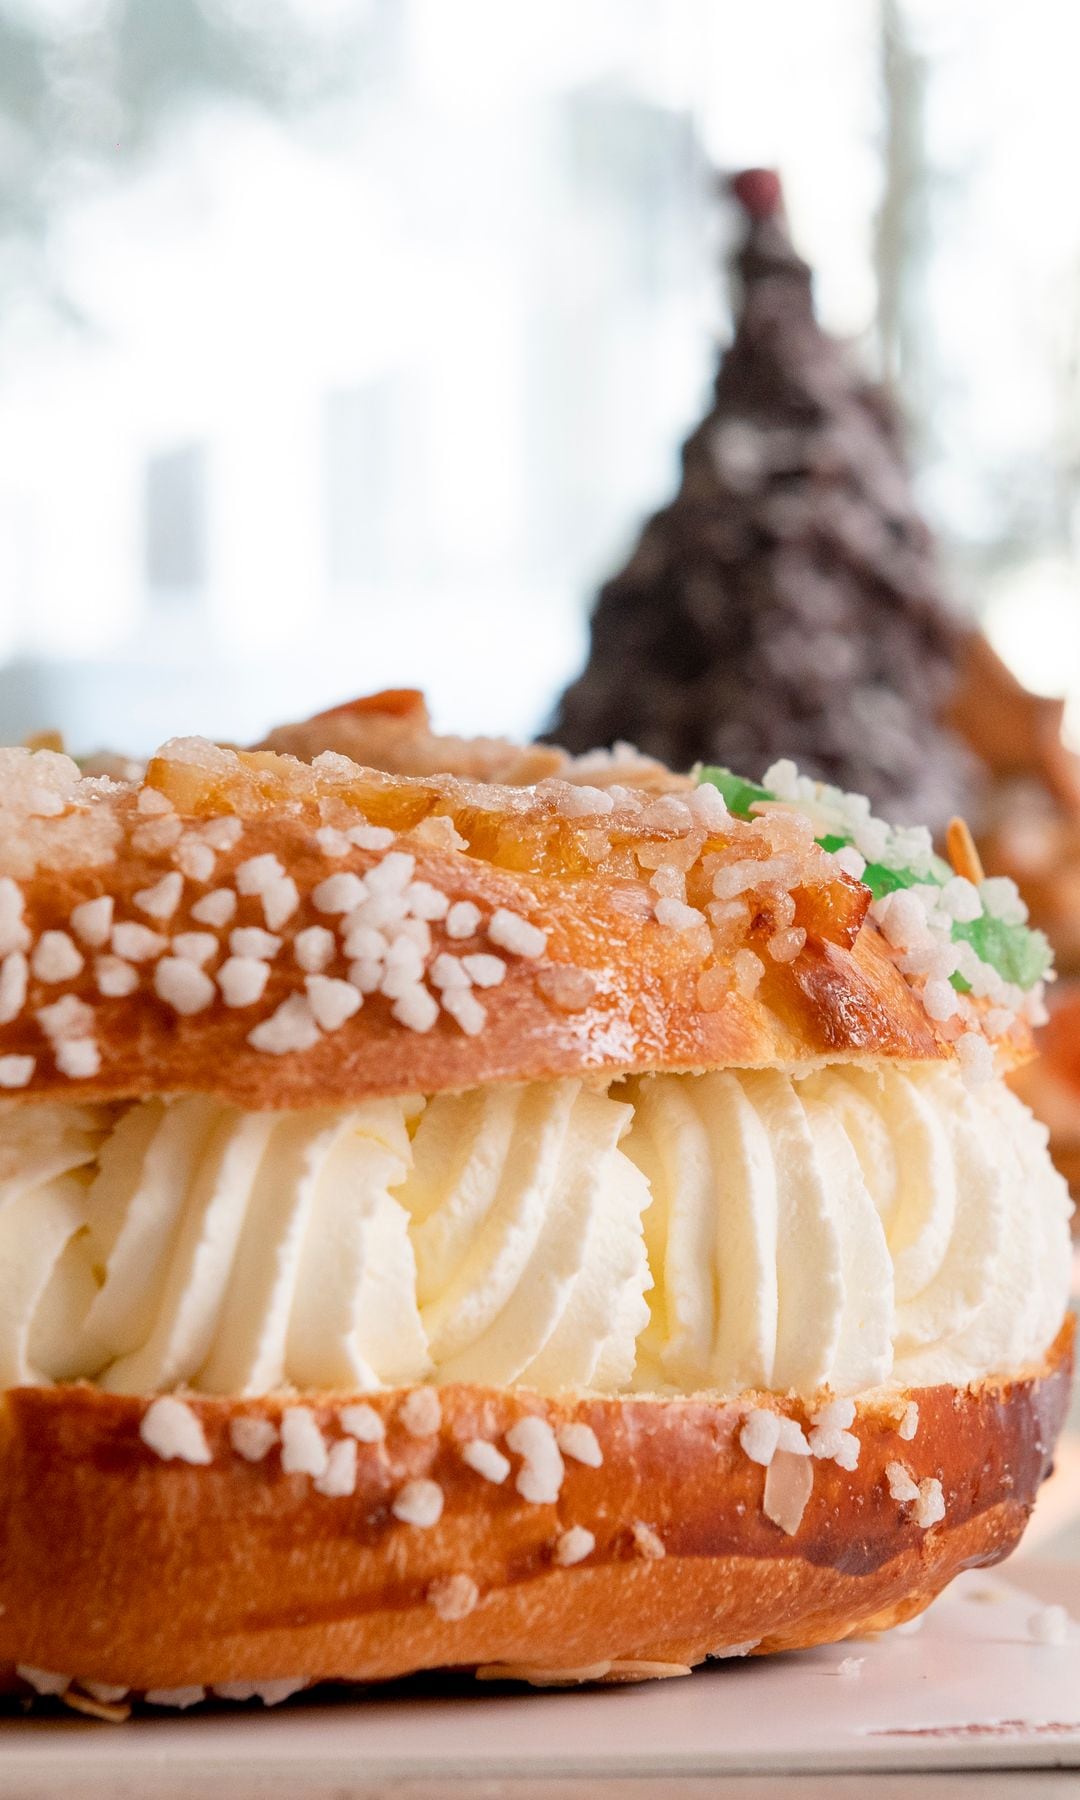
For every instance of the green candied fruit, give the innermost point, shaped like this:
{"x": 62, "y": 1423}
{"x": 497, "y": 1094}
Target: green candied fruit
{"x": 1020, "y": 955}
{"x": 881, "y": 880}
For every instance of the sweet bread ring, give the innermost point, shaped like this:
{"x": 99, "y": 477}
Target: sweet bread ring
{"x": 550, "y": 1231}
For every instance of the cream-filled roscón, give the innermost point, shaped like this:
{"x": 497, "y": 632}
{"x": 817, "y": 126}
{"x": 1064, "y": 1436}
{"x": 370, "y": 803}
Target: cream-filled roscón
{"x": 562, "y": 1231}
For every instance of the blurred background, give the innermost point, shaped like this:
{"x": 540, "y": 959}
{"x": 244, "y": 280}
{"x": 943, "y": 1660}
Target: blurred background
{"x": 345, "y": 343}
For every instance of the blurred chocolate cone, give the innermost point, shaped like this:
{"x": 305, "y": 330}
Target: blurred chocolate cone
{"x": 788, "y": 601}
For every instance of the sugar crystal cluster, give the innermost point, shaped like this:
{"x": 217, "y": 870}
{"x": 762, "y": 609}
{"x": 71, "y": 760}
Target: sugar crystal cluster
{"x": 957, "y": 942}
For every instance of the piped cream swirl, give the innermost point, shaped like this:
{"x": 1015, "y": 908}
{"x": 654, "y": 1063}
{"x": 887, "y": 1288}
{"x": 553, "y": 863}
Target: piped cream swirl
{"x": 188, "y": 1243}
{"x": 850, "y": 1228}
{"x": 227, "y": 1251}
{"x": 47, "y": 1155}
{"x": 854, "y": 1227}
{"x": 526, "y": 1221}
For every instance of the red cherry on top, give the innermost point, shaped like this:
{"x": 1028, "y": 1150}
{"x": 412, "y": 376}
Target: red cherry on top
{"x": 758, "y": 192}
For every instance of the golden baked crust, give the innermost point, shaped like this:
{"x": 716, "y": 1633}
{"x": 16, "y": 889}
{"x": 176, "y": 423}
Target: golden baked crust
{"x": 612, "y": 989}
{"x": 119, "y": 1567}
{"x": 392, "y": 731}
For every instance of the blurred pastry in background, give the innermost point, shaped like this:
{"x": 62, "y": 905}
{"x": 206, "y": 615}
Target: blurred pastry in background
{"x": 788, "y": 601}
{"x": 1050, "y": 1085}
{"x": 1031, "y": 833}
{"x": 1031, "y": 813}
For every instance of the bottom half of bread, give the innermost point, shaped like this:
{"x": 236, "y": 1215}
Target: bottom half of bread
{"x": 120, "y": 1567}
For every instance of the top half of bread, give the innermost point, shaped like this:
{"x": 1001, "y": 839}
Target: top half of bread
{"x": 602, "y": 948}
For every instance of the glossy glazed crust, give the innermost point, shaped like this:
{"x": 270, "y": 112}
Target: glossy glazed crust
{"x": 119, "y": 1567}
{"x": 392, "y": 731}
{"x": 637, "y": 1004}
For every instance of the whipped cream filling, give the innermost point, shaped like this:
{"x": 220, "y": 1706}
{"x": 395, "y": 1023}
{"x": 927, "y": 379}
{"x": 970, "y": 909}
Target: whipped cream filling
{"x": 526, "y": 1223}
{"x": 852, "y": 1228}
{"x": 849, "y": 1228}
{"x": 232, "y": 1252}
